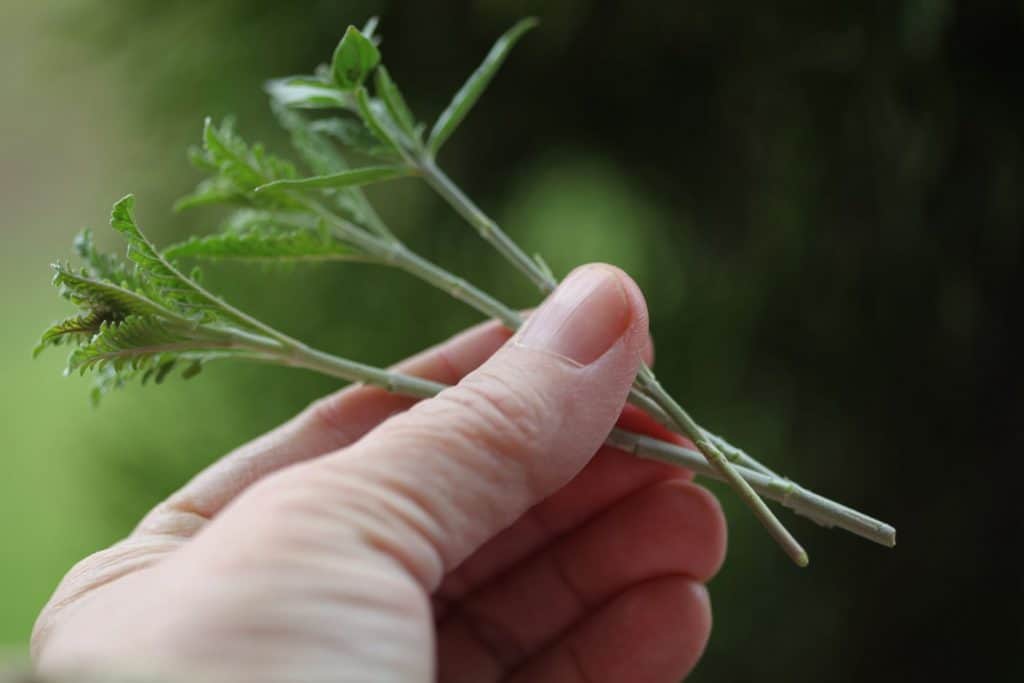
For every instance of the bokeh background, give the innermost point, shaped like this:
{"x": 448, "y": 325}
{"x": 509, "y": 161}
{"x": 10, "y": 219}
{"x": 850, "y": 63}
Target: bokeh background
{"x": 822, "y": 201}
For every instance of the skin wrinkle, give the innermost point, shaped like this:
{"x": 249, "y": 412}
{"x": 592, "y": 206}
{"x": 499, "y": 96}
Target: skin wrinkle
{"x": 499, "y": 639}
{"x": 566, "y": 551}
{"x": 361, "y": 515}
{"x": 460, "y": 586}
{"x": 419, "y": 493}
{"x": 572, "y": 648}
{"x": 87, "y": 578}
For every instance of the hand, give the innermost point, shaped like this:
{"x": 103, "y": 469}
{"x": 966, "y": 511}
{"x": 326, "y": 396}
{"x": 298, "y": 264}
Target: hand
{"x": 474, "y": 536}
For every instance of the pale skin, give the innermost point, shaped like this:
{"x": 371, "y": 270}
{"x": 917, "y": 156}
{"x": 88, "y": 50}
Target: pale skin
{"x": 482, "y": 535}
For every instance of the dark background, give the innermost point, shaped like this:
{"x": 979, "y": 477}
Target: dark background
{"x": 822, "y": 201}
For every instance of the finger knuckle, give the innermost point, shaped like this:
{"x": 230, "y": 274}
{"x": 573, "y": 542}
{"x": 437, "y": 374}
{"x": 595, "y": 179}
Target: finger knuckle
{"x": 509, "y": 412}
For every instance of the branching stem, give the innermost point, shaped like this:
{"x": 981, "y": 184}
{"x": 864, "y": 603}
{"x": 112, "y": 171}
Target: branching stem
{"x": 800, "y": 500}
{"x": 647, "y": 384}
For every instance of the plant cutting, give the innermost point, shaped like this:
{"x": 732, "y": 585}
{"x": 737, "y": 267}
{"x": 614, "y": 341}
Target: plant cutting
{"x": 147, "y": 314}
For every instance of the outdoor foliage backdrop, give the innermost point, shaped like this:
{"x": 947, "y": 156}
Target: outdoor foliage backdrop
{"x": 822, "y": 202}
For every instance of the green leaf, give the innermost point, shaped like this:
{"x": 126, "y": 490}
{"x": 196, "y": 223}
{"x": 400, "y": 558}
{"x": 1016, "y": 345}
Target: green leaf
{"x": 395, "y": 103}
{"x": 142, "y": 316}
{"x": 260, "y": 220}
{"x": 209, "y": 191}
{"x": 370, "y": 27}
{"x": 316, "y": 150}
{"x": 108, "y": 299}
{"x": 475, "y": 85}
{"x": 239, "y": 169}
{"x": 162, "y": 282}
{"x": 322, "y": 155}
{"x": 306, "y": 93}
{"x": 354, "y": 58}
{"x": 282, "y": 246}
{"x": 368, "y": 109}
{"x": 74, "y": 329}
{"x": 355, "y": 177}
{"x": 353, "y": 134}
{"x": 106, "y": 266}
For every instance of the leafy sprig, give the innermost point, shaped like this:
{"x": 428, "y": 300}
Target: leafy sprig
{"x": 143, "y": 316}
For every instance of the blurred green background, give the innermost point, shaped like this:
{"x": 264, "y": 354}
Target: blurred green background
{"x": 822, "y": 202}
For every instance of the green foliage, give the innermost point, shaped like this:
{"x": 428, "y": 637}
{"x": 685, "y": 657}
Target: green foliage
{"x": 475, "y": 85}
{"x": 397, "y": 109}
{"x": 238, "y": 168}
{"x": 385, "y": 125}
{"x": 354, "y": 58}
{"x": 272, "y": 242}
{"x": 306, "y": 93}
{"x": 351, "y": 178}
{"x": 354, "y": 135}
{"x": 140, "y": 316}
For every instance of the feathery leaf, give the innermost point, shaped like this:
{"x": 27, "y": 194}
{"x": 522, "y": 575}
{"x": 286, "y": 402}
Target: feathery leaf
{"x": 294, "y": 245}
{"x": 142, "y": 316}
{"x": 240, "y": 168}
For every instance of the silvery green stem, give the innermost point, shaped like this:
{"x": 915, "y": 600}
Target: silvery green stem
{"x": 738, "y": 455}
{"x": 487, "y": 228}
{"x": 806, "y": 503}
{"x": 822, "y": 510}
{"x": 279, "y": 348}
{"x": 723, "y": 467}
{"x": 352, "y": 371}
{"x": 732, "y": 453}
{"x": 647, "y": 382}
{"x": 393, "y": 252}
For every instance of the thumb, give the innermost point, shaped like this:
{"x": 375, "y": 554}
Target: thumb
{"x": 432, "y": 484}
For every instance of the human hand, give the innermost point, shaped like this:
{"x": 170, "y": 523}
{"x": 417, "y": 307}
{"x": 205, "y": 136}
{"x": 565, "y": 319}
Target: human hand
{"x": 474, "y": 536}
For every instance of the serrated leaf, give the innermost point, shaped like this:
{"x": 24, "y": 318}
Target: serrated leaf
{"x": 151, "y": 318}
{"x": 291, "y": 246}
{"x": 240, "y": 168}
{"x": 162, "y": 281}
{"x": 102, "y": 265}
{"x": 76, "y": 328}
{"x": 356, "y": 177}
{"x": 475, "y": 85}
{"x": 354, "y": 58}
{"x": 215, "y": 190}
{"x": 145, "y": 347}
{"x": 107, "y": 298}
{"x": 395, "y": 103}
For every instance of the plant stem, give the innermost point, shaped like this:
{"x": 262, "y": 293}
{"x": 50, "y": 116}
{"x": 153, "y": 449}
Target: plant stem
{"x": 342, "y": 368}
{"x": 817, "y": 508}
{"x": 647, "y": 383}
{"x": 392, "y": 251}
{"x": 487, "y": 228}
{"x": 800, "y": 500}
{"x": 724, "y": 468}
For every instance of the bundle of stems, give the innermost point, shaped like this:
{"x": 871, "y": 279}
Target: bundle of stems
{"x": 147, "y": 318}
